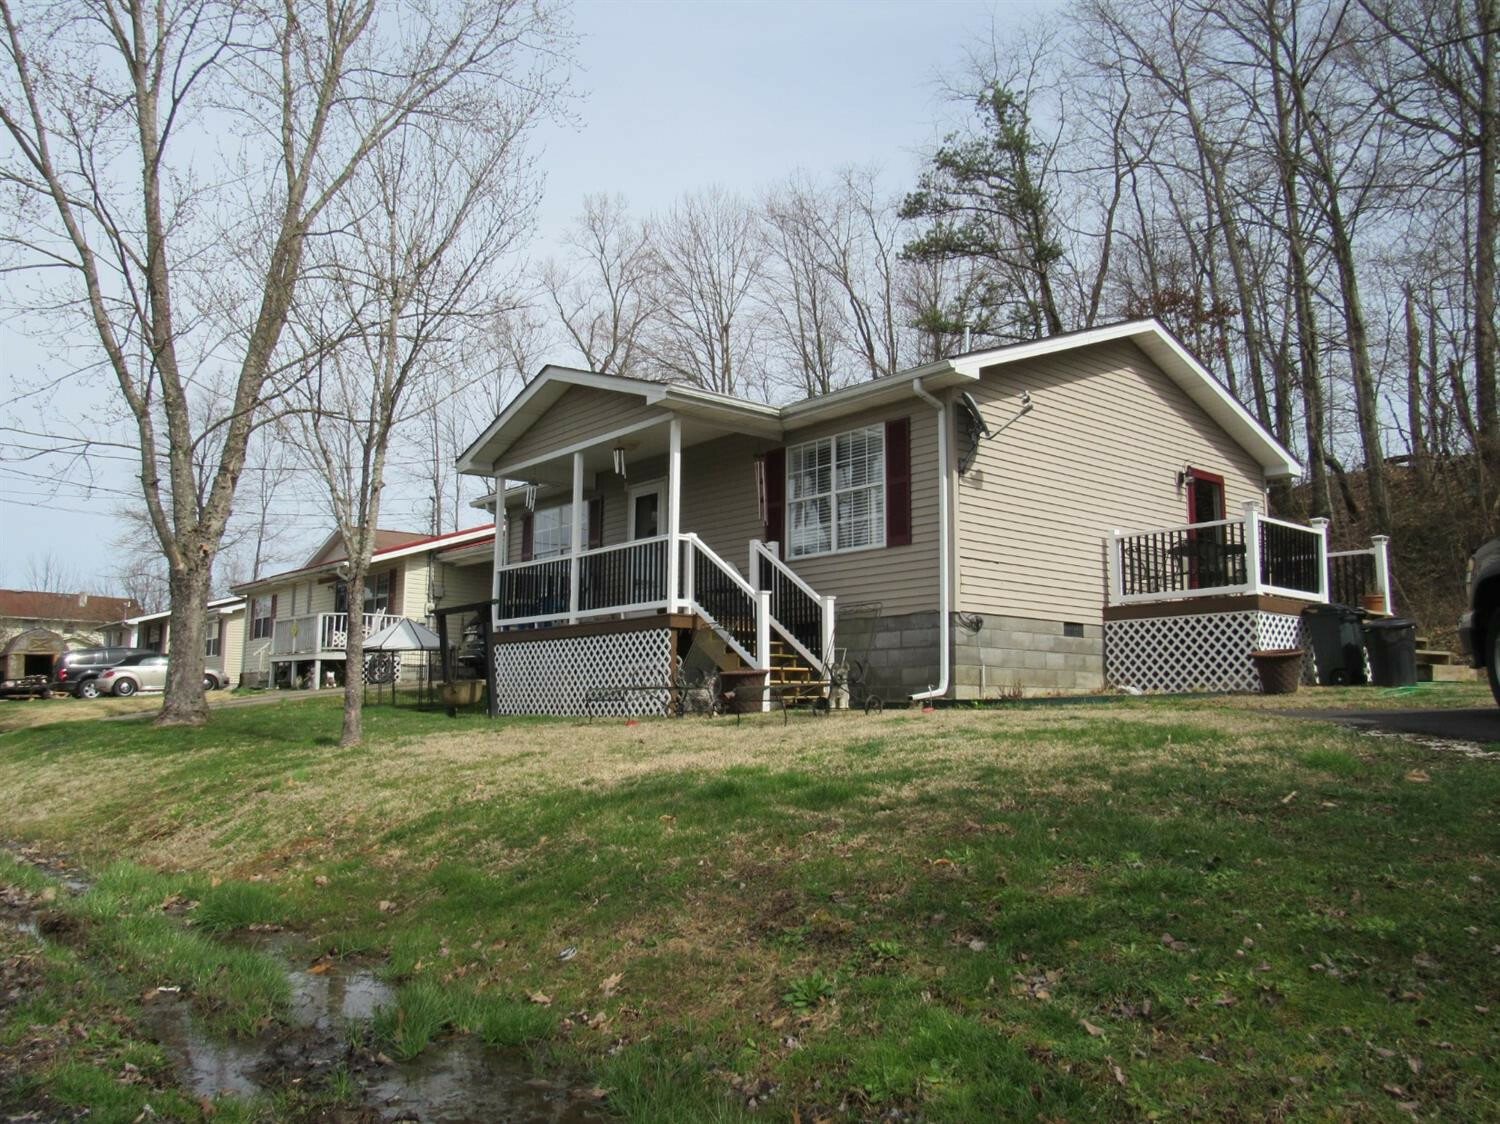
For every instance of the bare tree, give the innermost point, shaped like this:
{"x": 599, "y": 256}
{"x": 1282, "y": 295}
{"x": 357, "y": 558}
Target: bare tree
{"x": 711, "y": 260}
{"x": 804, "y": 305}
{"x": 182, "y": 257}
{"x": 422, "y": 231}
{"x": 606, "y": 296}
{"x": 47, "y": 573}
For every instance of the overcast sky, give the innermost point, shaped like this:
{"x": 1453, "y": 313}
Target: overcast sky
{"x": 672, "y": 97}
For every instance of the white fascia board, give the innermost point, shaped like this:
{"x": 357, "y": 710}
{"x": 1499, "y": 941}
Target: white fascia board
{"x": 550, "y": 379}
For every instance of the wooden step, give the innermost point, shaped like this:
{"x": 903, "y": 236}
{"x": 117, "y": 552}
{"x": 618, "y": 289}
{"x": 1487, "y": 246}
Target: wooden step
{"x": 1433, "y": 655}
{"x": 1446, "y": 673}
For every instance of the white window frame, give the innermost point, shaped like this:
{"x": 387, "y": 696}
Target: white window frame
{"x": 257, "y": 632}
{"x": 565, "y": 533}
{"x": 875, "y": 433}
{"x": 645, "y": 488}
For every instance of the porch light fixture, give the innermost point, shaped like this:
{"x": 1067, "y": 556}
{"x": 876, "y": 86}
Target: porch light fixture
{"x": 1185, "y": 477}
{"x": 620, "y": 461}
{"x": 531, "y": 497}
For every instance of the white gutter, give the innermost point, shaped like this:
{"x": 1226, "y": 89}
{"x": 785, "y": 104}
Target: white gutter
{"x": 944, "y": 594}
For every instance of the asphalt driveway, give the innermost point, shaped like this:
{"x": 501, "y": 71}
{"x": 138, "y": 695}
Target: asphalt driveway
{"x": 1481, "y": 724}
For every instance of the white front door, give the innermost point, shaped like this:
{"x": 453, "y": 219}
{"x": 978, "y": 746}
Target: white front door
{"x": 647, "y": 512}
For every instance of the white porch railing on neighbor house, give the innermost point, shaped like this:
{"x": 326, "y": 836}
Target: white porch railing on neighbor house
{"x": 1253, "y": 554}
{"x": 640, "y": 576}
{"x": 318, "y": 633}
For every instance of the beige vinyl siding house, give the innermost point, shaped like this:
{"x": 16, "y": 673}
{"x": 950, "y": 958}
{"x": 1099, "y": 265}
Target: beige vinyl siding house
{"x": 223, "y": 629}
{"x": 298, "y": 624}
{"x": 979, "y": 565}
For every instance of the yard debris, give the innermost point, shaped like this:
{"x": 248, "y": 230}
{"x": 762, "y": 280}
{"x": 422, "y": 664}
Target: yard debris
{"x": 386, "y": 906}
{"x": 611, "y": 984}
{"x": 320, "y": 880}
{"x": 568, "y": 953}
{"x": 977, "y": 945}
{"x": 1418, "y": 776}
{"x": 1119, "y": 1074}
{"x": 1093, "y": 1031}
{"x": 1171, "y": 942}
{"x": 539, "y": 999}
{"x": 1037, "y": 985}
{"x": 1289, "y": 797}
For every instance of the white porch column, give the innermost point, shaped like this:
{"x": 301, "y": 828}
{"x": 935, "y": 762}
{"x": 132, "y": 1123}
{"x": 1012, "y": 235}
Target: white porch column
{"x": 763, "y": 641}
{"x": 674, "y": 513}
{"x": 1252, "y": 545}
{"x": 828, "y": 631}
{"x": 501, "y": 554}
{"x": 1380, "y": 546}
{"x": 1320, "y": 525}
{"x": 1115, "y": 565}
{"x": 575, "y": 545}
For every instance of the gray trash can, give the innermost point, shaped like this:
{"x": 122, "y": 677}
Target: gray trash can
{"x": 1338, "y": 644}
{"x": 1392, "y": 645}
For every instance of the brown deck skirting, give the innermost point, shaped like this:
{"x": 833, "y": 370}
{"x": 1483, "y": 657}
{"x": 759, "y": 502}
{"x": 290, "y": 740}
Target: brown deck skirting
{"x": 1198, "y": 606}
{"x": 598, "y": 628}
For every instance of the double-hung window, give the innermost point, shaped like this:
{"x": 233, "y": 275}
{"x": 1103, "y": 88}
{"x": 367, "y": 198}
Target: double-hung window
{"x": 835, "y": 489}
{"x": 213, "y": 637}
{"x": 260, "y": 618}
{"x": 552, "y": 530}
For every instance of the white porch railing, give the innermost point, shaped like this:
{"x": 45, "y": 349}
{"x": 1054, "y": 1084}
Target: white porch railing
{"x": 640, "y": 576}
{"x": 315, "y": 634}
{"x": 802, "y": 617}
{"x": 1254, "y": 554}
{"x": 1354, "y": 575}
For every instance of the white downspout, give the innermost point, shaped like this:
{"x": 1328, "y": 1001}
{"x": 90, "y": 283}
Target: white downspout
{"x": 944, "y": 594}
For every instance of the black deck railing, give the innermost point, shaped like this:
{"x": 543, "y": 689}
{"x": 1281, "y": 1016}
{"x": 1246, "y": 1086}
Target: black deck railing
{"x": 798, "y": 612}
{"x": 1183, "y": 559}
{"x": 634, "y": 574}
{"x": 537, "y": 589}
{"x": 722, "y": 597}
{"x": 1290, "y": 556}
{"x": 1351, "y": 577}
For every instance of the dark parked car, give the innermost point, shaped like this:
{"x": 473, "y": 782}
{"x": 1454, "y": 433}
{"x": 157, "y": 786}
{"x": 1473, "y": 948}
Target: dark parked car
{"x": 76, "y": 671}
{"x": 1480, "y": 627}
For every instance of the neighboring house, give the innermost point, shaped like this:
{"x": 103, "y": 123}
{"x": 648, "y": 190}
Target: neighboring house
{"x": 223, "y": 635}
{"x": 947, "y": 532}
{"x": 299, "y": 620}
{"x": 36, "y": 628}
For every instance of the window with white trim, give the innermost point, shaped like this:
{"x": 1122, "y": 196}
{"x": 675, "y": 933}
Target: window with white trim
{"x": 213, "y": 637}
{"x": 835, "y": 492}
{"x": 552, "y": 530}
{"x": 260, "y": 618}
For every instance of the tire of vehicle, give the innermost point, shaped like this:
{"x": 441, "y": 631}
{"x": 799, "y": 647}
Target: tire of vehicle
{"x": 88, "y": 689}
{"x": 124, "y": 688}
{"x": 208, "y": 683}
{"x": 1492, "y": 653}
{"x": 46, "y": 692}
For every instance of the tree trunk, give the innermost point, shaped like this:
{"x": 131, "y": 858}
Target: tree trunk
{"x": 183, "y": 703}
{"x": 354, "y": 655}
{"x": 1414, "y": 389}
{"x": 1487, "y": 224}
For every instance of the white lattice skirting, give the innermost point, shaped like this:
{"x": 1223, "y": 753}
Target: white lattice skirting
{"x": 1199, "y": 652}
{"x": 613, "y": 674}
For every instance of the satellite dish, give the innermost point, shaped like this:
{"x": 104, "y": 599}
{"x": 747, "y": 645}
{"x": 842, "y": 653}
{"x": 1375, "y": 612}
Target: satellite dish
{"x": 972, "y": 407}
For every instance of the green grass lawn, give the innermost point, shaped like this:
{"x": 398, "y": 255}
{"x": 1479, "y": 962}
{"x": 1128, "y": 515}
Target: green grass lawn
{"x": 1158, "y": 909}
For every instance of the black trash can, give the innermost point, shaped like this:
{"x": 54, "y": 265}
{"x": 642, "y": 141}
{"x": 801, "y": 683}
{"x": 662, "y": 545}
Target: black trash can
{"x": 1392, "y": 645}
{"x": 1338, "y": 644}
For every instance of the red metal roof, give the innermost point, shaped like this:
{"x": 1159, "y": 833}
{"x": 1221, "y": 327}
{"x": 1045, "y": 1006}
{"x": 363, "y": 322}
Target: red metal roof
{"x": 33, "y": 605}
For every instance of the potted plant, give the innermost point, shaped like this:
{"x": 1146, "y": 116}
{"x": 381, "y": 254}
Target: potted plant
{"x": 1280, "y": 670}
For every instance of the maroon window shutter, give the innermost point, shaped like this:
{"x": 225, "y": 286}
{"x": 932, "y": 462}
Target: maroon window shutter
{"x": 526, "y": 537}
{"x": 776, "y": 498}
{"x": 596, "y": 522}
{"x": 898, "y": 482}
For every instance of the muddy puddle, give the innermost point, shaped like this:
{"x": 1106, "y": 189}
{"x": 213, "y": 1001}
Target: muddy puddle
{"x": 454, "y": 1081}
